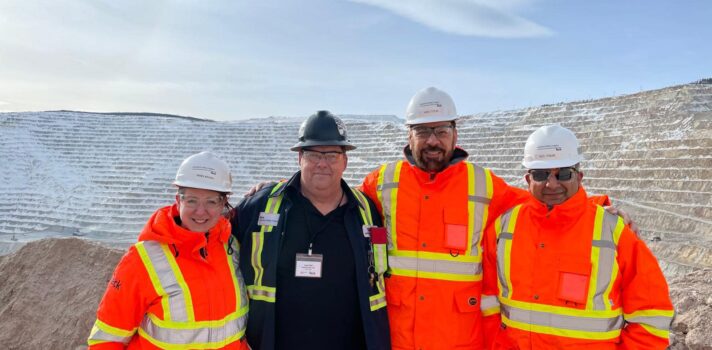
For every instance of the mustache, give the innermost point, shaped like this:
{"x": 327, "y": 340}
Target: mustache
{"x": 432, "y": 148}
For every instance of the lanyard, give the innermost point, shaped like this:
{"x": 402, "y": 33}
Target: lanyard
{"x": 313, "y": 234}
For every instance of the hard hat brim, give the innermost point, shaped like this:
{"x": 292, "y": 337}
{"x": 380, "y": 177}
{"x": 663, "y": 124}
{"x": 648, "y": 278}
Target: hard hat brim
{"x": 202, "y": 186}
{"x": 431, "y": 119}
{"x": 550, "y": 164}
{"x": 311, "y": 143}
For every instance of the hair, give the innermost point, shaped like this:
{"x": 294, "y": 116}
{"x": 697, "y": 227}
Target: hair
{"x": 228, "y": 211}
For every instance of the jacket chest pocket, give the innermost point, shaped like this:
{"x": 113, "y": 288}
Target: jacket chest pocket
{"x": 455, "y": 229}
{"x": 574, "y": 275}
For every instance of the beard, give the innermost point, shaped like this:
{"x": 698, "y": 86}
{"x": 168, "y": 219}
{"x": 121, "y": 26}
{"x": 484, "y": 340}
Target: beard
{"x": 432, "y": 163}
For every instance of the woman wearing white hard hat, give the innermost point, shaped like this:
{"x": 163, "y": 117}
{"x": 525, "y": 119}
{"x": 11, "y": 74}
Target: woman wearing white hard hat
{"x": 179, "y": 286}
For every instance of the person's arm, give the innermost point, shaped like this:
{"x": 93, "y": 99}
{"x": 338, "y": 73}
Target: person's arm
{"x": 123, "y": 305}
{"x": 647, "y": 308}
{"x": 369, "y": 186}
{"x": 489, "y": 304}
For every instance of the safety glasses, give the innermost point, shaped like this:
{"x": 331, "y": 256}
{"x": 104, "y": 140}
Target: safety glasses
{"x": 541, "y": 175}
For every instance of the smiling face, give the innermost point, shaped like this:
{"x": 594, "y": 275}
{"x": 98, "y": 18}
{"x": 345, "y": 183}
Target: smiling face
{"x": 432, "y": 145}
{"x": 199, "y": 209}
{"x": 553, "y": 191}
{"x": 322, "y": 167}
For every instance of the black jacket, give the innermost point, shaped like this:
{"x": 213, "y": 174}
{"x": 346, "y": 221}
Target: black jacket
{"x": 261, "y": 320}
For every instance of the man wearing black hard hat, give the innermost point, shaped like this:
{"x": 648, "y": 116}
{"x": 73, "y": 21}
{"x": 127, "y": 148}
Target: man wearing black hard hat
{"x": 313, "y": 252}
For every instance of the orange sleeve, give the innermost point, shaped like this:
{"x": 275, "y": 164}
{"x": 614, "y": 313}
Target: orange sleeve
{"x": 490, "y": 315}
{"x": 647, "y": 308}
{"x": 601, "y": 200}
{"x": 368, "y": 187}
{"x": 504, "y": 197}
{"x": 124, "y": 304}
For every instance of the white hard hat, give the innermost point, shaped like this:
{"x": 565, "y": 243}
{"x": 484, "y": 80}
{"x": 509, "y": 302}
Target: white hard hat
{"x": 551, "y": 146}
{"x": 205, "y": 171}
{"x": 430, "y": 105}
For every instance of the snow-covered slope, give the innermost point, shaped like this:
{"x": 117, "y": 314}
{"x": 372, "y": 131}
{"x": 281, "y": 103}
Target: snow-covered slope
{"x": 102, "y": 175}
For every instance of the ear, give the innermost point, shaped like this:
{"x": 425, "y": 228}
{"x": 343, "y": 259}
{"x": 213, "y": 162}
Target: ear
{"x": 178, "y": 200}
{"x": 579, "y": 175}
{"x": 454, "y": 136}
{"x": 527, "y": 179}
{"x": 346, "y": 160}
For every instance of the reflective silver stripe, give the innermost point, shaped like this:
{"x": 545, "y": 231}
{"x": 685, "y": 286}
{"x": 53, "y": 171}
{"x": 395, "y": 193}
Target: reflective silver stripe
{"x": 254, "y": 291}
{"x": 364, "y": 207}
{"x": 574, "y": 323}
{"x": 606, "y": 258}
{"x": 168, "y": 280}
{"x": 659, "y": 322}
{"x": 202, "y": 335}
{"x": 240, "y": 287}
{"x": 604, "y": 244}
{"x": 478, "y": 199}
{"x": 388, "y": 185}
{"x": 501, "y": 245}
{"x": 477, "y": 194}
{"x": 98, "y": 335}
{"x": 506, "y": 235}
{"x": 386, "y": 199}
{"x": 488, "y": 302}
{"x": 434, "y": 266}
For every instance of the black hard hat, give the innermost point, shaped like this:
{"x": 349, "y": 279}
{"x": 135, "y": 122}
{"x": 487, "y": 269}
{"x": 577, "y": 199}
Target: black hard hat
{"x": 323, "y": 129}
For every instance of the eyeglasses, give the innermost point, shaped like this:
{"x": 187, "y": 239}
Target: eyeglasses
{"x": 317, "y": 156}
{"x": 424, "y": 132}
{"x": 212, "y": 203}
{"x": 541, "y": 175}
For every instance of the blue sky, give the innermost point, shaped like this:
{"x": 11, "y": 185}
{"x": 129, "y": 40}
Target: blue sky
{"x": 228, "y": 60}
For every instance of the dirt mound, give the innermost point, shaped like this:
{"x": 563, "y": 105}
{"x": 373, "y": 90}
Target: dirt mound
{"x": 49, "y": 291}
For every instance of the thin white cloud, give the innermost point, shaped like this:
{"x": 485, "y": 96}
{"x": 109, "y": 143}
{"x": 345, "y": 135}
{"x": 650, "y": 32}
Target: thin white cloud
{"x": 466, "y": 17}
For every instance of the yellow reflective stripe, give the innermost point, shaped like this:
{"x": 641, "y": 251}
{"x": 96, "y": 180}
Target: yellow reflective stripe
{"x": 595, "y": 256}
{"x": 656, "y": 322}
{"x": 194, "y": 335}
{"x": 485, "y": 208}
{"x": 436, "y": 275}
{"x": 181, "y": 282}
{"x": 364, "y": 208}
{"x": 661, "y": 333}
{"x": 470, "y": 207}
{"x": 155, "y": 282}
{"x": 489, "y": 305}
{"x": 103, "y": 333}
{"x": 436, "y": 256}
{"x": 562, "y": 321}
{"x": 511, "y": 225}
{"x": 262, "y": 293}
{"x": 614, "y": 272}
{"x": 256, "y": 255}
{"x": 271, "y": 207}
{"x": 560, "y": 331}
{"x": 234, "y": 273}
{"x": 394, "y": 206}
{"x": 560, "y": 310}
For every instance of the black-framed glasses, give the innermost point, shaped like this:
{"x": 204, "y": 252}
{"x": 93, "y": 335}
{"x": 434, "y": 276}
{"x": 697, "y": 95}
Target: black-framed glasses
{"x": 315, "y": 157}
{"x": 563, "y": 174}
{"x": 441, "y": 132}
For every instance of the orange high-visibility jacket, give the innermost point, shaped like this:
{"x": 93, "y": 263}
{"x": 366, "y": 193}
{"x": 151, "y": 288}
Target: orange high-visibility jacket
{"x": 573, "y": 277}
{"x": 435, "y": 224}
{"x": 174, "y": 289}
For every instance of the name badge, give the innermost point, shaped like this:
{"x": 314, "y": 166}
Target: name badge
{"x": 308, "y": 266}
{"x": 268, "y": 219}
